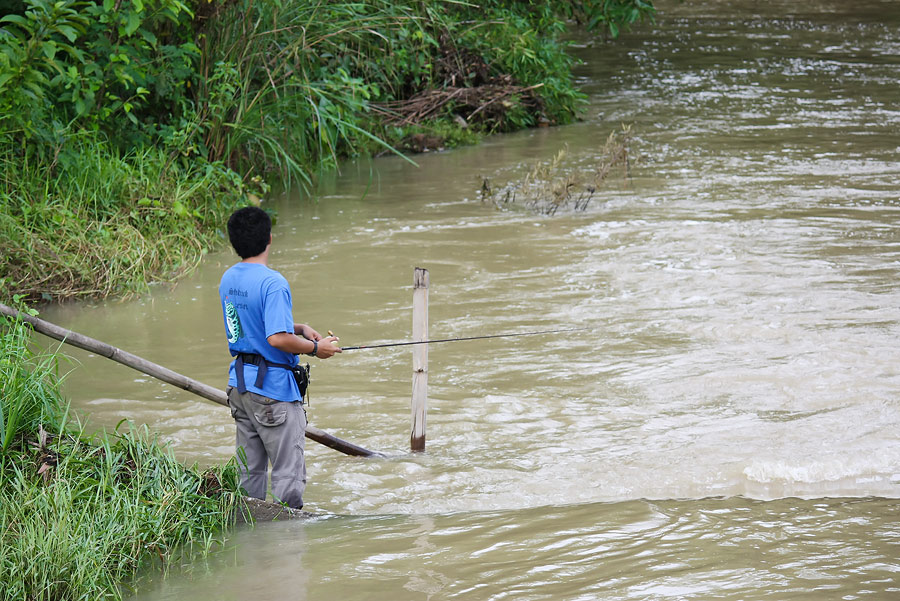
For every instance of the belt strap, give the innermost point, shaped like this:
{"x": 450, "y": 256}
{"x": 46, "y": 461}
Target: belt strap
{"x": 263, "y": 368}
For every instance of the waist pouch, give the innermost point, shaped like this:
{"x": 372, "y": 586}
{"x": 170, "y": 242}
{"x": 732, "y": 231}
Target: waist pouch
{"x": 301, "y": 372}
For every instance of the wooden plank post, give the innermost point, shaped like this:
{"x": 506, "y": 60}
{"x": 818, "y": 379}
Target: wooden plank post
{"x": 420, "y": 359}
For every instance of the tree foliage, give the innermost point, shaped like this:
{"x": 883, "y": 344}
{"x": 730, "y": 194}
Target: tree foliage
{"x": 266, "y": 85}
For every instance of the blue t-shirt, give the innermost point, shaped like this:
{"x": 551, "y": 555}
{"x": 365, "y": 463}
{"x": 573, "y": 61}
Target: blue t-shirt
{"x": 256, "y": 303}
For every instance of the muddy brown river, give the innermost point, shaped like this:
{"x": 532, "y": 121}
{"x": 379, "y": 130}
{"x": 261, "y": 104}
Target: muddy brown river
{"x": 727, "y": 426}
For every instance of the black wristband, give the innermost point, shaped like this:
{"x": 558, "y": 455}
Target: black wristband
{"x": 315, "y": 349}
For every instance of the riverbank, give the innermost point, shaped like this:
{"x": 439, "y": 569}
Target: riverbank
{"x": 129, "y": 132}
{"x": 79, "y": 514}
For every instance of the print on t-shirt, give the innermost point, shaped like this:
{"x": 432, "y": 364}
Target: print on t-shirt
{"x": 233, "y": 322}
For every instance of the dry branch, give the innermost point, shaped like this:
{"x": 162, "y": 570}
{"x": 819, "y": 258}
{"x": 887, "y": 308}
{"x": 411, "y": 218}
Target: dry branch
{"x": 468, "y": 102}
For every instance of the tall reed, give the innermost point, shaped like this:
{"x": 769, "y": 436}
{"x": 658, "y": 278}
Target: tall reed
{"x": 281, "y": 86}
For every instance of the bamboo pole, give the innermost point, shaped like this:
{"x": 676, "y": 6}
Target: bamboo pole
{"x": 420, "y": 359}
{"x": 166, "y": 375}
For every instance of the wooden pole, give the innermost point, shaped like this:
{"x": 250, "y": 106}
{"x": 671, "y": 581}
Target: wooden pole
{"x": 166, "y": 375}
{"x": 420, "y": 359}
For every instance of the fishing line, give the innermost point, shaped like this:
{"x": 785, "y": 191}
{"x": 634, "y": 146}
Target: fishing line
{"x": 408, "y": 343}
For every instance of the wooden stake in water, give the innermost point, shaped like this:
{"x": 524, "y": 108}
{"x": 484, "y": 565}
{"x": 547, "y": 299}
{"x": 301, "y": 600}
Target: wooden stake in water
{"x": 420, "y": 359}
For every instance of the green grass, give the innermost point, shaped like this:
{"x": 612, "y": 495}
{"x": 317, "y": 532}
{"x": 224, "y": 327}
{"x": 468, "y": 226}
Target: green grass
{"x": 95, "y": 223}
{"x": 78, "y": 515}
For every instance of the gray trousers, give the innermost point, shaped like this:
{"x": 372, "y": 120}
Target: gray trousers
{"x": 270, "y": 430}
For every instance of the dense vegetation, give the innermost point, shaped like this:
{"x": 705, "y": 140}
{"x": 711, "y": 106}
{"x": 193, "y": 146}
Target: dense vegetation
{"x": 78, "y": 515}
{"x": 130, "y": 128}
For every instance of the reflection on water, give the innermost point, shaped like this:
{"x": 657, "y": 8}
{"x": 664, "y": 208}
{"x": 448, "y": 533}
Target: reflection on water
{"x": 743, "y": 312}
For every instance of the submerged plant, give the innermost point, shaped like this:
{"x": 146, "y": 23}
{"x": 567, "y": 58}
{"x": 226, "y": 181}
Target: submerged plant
{"x": 551, "y": 186}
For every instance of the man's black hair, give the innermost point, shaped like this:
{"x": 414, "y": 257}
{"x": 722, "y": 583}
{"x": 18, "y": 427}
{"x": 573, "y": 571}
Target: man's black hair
{"x": 249, "y": 230}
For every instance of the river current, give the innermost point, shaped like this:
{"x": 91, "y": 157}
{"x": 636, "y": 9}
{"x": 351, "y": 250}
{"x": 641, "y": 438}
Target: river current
{"x": 725, "y": 426}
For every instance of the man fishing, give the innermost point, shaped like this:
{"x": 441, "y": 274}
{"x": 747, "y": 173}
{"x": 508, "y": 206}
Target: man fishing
{"x": 263, "y": 390}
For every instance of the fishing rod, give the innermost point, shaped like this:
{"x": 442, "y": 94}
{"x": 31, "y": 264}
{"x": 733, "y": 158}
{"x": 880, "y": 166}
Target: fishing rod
{"x": 408, "y": 343}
